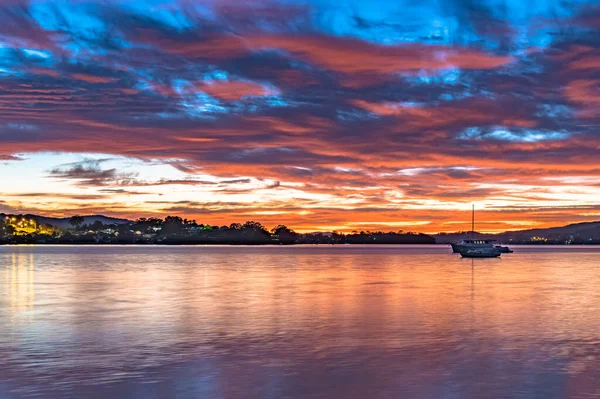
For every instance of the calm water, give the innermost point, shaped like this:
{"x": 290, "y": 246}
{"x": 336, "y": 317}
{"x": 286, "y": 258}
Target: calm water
{"x": 298, "y": 322}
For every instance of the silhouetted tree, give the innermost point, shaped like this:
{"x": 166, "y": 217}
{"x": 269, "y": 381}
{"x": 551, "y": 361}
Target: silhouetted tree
{"x": 285, "y": 234}
{"x": 172, "y": 225}
{"x": 6, "y": 229}
{"x": 173, "y": 220}
{"x": 97, "y": 226}
{"x": 255, "y": 232}
{"x": 255, "y": 226}
{"x": 280, "y": 228}
{"x": 76, "y": 221}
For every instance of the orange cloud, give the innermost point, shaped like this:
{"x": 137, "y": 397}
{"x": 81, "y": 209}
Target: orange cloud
{"x": 233, "y": 90}
{"x": 44, "y": 71}
{"x": 585, "y": 93}
{"x": 93, "y": 78}
{"x": 342, "y": 55}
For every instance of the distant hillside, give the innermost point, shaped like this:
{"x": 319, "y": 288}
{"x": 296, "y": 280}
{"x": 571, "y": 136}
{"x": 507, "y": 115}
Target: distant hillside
{"x": 578, "y": 233}
{"x": 63, "y": 223}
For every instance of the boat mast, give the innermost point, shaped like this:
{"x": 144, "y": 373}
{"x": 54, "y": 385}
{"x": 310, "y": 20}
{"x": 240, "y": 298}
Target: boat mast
{"x": 473, "y": 223}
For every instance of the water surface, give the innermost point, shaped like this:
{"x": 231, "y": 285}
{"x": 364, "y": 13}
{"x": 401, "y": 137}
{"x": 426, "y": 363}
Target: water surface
{"x": 298, "y": 322}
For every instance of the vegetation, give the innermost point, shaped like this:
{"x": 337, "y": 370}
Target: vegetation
{"x": 6, "y": 229}
{"x": 174, "y": 230}
{"x": 76, "y": 221}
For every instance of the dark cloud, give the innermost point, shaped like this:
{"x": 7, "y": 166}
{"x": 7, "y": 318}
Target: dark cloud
{"x": 90, "y": 173}
{"x": 82, "y": 197}
{"x": 123, "y": 191}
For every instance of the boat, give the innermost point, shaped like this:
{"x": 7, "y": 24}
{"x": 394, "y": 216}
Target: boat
{"x": 478, "y": 248}
{"x": 480, "y": 253}
{"x": 472, "y": 244}
{"x": 503, "y": 249}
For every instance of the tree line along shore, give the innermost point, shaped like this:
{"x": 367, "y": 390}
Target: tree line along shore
{"x": 174, "y": 230}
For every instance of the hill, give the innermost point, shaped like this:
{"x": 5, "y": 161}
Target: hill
{"x": 577, "y": 233}
{"x": 173, "y": 230}
{"x": 63, "y": 223}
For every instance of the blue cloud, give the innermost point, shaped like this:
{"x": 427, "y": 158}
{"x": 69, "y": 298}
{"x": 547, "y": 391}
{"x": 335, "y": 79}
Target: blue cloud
{"x": 512, "y": 134}
{"x": 78, "y": 20}
{"x": 162, "y": 12}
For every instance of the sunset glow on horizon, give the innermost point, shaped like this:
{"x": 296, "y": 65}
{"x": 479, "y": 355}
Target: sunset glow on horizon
{"x": 318, "y": 114}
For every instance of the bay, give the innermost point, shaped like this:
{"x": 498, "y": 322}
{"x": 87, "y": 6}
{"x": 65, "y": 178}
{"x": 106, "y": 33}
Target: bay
{"x": 298, "y": 322}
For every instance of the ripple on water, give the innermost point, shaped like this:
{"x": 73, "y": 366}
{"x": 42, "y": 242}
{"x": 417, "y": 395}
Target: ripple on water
{"x": 297, "y": 322}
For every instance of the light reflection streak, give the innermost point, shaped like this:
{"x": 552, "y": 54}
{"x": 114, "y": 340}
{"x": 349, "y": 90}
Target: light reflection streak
{"x": 21, "y": 282}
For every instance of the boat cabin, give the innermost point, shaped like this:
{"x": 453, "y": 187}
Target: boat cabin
{"x": 478, "y": 242}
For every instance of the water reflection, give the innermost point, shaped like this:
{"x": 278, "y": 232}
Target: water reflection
{"x": 373, "y": 322}
{"x": 21, "y": 283}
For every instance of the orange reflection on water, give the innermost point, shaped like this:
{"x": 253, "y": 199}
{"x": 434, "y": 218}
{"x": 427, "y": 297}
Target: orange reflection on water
{"x": 21, "y": 282}
{"x": 402, "y": 320}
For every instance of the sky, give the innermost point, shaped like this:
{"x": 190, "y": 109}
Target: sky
{"x": 318, "y": 114}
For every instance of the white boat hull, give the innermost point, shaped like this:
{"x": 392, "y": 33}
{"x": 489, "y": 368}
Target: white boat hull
{"x": 480, "y": 253}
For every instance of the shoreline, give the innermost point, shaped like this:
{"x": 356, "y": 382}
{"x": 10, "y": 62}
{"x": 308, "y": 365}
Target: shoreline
{"x": 12, "y": 244}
